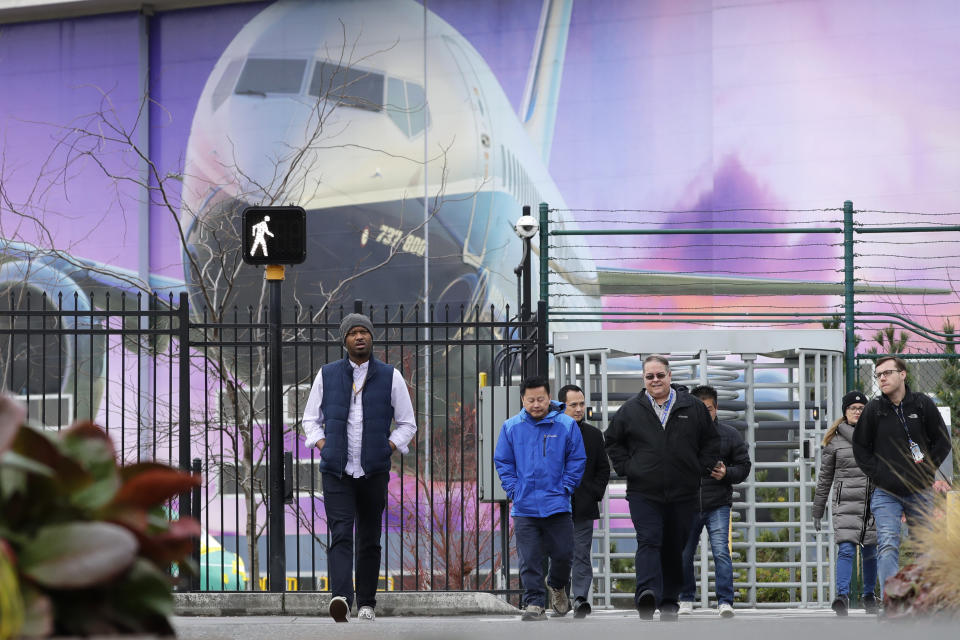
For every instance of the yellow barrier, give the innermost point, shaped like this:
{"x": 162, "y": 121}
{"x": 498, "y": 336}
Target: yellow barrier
{"x": 384, "y": 583}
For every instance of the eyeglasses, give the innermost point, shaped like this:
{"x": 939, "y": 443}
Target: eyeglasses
{"x": 887, "y": 372}
{"x": 660, "y": 375}
{"x": 855, "y": 409}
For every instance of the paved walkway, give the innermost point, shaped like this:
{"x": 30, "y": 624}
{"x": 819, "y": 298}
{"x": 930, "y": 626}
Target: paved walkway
{"x": 773, "y": 624}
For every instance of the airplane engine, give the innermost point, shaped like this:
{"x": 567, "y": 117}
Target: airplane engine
{"x": 51, "y": 365}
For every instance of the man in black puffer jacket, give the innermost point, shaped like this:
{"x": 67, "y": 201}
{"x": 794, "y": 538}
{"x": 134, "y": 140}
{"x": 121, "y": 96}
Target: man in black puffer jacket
{"x": 664, "y": 441}
{"x": 716, "y": 498}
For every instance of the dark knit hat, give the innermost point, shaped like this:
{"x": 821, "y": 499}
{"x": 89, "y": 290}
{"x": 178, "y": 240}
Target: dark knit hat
{"x": 354, "y": 320}
{"x": 853, "y": 397}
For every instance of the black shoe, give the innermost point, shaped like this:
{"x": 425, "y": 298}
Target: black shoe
{"x": 669, "y": 615}
{"x": 646, "y": 604}
{"x": 870, "y": 604}
{"x": 840, "y": 605}
{"x": 581, "y": 608}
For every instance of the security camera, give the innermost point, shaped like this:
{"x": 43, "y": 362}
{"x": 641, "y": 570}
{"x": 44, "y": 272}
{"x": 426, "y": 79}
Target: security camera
{"x": 526, "y": 227}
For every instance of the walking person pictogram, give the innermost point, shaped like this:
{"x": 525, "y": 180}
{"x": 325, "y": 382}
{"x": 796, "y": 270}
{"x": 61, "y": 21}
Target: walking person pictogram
{"x": 260, "y": 231}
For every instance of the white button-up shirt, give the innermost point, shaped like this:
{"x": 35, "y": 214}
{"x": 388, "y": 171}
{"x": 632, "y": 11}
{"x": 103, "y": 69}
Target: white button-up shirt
{"x": 403, "y": 415}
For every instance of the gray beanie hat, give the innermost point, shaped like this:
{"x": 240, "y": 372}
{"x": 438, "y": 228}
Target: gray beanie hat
{"x": 354, "y": 320}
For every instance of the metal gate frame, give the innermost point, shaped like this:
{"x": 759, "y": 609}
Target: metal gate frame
{"x": 813, "y": 364}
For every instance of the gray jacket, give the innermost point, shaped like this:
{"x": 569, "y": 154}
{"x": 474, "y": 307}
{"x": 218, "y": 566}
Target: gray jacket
{"x": 852, "y": 520}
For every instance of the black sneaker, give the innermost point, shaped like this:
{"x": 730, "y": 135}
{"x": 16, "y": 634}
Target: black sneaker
{"x": 870, "y": 604}
{"x": 840, "y": 605}
{"x": 646, "y": 604}
{"x": 581, "y": 608}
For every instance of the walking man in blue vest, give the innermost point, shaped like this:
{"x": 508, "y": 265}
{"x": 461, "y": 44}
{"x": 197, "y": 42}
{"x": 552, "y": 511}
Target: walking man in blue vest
{"x": 347, "y": 418}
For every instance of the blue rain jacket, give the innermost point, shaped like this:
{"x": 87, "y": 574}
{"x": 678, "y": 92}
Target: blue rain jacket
{"x": 540, "y": 463}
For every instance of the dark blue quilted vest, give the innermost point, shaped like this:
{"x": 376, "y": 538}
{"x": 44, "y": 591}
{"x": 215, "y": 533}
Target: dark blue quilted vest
{"x": 377, "y": 416}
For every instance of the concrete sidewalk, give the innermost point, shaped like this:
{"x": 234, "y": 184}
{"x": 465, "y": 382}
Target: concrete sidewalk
{"x": 776, "y": 624}
{"x": 292, "y": 603}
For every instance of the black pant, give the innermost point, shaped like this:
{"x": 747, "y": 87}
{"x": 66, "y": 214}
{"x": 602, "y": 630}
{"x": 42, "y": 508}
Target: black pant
{"x": 348, "y": 501}
{"x": 662, "y": 532}
{"x": 539, "y": 539}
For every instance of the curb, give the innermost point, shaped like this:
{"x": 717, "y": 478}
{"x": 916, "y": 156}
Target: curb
{"x": 414, "y": 603}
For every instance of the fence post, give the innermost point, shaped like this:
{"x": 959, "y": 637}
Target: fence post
{"x": 195, "y": 500}
{"x": 277, "y": 539}
{"x": 183, "y": 444}
{"x": 850, "y": 339}
{"x": 543, "y": 367}
{"x": 544, "y": 253}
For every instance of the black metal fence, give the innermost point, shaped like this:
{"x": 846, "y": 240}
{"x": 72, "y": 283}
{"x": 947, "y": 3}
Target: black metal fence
{"x": 192, "y": 391}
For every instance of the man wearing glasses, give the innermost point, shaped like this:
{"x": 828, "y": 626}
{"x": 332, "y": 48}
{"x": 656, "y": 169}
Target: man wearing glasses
{"x": 664, "y": 441}
{"x": 899, "y": 442}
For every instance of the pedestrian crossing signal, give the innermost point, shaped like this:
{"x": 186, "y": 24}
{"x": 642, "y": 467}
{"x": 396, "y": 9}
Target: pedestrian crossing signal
{"x": 274, "y": 235}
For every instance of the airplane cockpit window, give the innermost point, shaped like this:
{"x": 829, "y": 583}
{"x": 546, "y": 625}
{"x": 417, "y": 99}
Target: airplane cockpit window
{"x": 419, "y": 115}
{"x": 261, "y": 76}
{"x": 227, "y": 80}
{"x": 351, "y": 87}
{"x": 406, "y": 104}
{"x": 397, "y": 104}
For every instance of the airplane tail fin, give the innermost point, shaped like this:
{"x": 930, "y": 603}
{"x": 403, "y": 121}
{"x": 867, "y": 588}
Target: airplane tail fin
{"x": 539, "y": 109}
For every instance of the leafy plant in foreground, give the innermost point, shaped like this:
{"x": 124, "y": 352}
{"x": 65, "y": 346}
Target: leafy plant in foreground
{"x": 84, "y": 543}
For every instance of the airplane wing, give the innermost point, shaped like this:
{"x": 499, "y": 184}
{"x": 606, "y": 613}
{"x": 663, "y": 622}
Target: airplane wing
{"x": 56, "y": 271}
{"x": 633, "y": 282}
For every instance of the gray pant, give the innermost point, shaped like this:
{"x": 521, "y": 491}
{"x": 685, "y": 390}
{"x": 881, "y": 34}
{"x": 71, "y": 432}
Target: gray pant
{"x": 582, "y": 562}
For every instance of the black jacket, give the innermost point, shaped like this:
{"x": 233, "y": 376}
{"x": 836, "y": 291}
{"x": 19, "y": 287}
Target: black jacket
{"x": 663, "y": 464}
{"x": 596, "y": 475}
{"x": 733, "y": 451}
{"x": 881, "y": 448}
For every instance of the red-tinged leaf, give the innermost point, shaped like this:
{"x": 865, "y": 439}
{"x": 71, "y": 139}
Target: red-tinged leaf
{"x": 86, "y": 429}
{"x": 90, "y": 446}
{"x": 154, "y": 486}
{"x": 173, "y": 545}
{"x": 34, "y": 445}
{"x": 78, "y": 554}
{"x": 133, "y": 518}
{"x": 131, "y": 471}
{"x": 12, "y": 415}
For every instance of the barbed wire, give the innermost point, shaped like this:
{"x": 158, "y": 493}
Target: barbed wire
{"x": 694, "y": 245}
{"x": 722, "y": 258}
{"x": 680, "y": 222}
{"x": 675, "y": 211}
{"x": 908, "y": 213}
{"x": 879, "y": 260}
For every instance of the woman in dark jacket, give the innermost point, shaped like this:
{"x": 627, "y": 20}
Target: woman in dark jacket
{"x": 852, "y": 520}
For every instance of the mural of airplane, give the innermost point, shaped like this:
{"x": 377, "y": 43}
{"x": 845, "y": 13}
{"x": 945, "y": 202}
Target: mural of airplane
{"x": 362, "y": 180}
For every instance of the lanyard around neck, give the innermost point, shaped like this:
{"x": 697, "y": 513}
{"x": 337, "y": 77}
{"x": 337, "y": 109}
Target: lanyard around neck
{"x": 898, "y": 409}
{"x": 663, "y": 413}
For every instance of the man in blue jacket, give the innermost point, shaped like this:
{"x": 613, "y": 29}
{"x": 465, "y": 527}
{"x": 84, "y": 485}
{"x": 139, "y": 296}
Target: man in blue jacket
{"x": 540, "y": 459}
